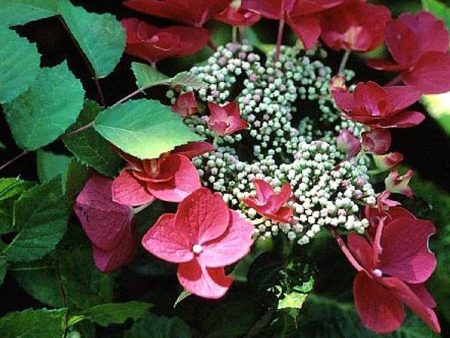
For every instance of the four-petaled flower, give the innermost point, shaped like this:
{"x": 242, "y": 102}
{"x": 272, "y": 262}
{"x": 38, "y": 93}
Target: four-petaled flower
{"x": 380, "y": 107}
{"x": 109, "y": 225}
{"x": 153, "y": 44}
{"x": 225, "y": 120}
{"x": 269, "y": 204}
{"x": 419, "y": 46}
{"x": 171, "y": 177}
{"x": 202, "y": 237}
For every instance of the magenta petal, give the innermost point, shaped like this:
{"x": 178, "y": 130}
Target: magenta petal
{"x": 405, "y": 119}
{"x": 202, "y": 216}
{"x": 405, "y": 294}
{"x": 205, "y": 282}
{"x": 344, "y": 100}
{"x": 185, "y": 180}
{"x": 401, "y": 97}
{"x": 234, "y": 244}
{"x": 431, "y": 74}
{"x": 362, "y": 250}
{"x": 307, "y": 28}
{"x": 378, "y": 308}
{"x": 385, "y": 65}
{"x": 103, "y": 220}
{"x": 128, "y": 190}
{"x": 166, "y": 241}
{"x": 405, "y": 250}
{"x": 193, "y": 149}
{"x": 421, "y": 291}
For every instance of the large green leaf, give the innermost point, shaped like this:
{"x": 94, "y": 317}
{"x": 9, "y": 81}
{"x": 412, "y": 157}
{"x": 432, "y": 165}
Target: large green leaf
{"x": 112, "y": 313}
{"x": 19, "y": 64}
{"x": 42, "y": 113}
{"x": 50, "y": 165}
{"x": 146, "y": 76}
{"x": 100, "y": 36}
{"x": 143, "y": 128}
{"x": 40, "y": 217}
{"x": 439, "y": 9}
{"x": 19, "y": 12}
{"x": 89, "y": 147}
{"x": 152, "y": 326}
{"x": 33, "y": 324}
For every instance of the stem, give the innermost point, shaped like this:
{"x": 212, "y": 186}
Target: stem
{"x": 395, "y": 81}
{"x": 346, "y": 251}
{"x": 344, "y": 62}
{"x": 212, "y": 45}
{"x": 14, "y": 159}
{"x": 129, "y": 96}
{"x": 234, "y": 34}
{"x": 100, "y": 91}
{"x": 279, "y": 39}
{"x": 63, "y": 295}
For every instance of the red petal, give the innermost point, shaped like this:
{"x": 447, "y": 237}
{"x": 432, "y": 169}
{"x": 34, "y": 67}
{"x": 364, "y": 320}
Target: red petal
{"x": 425, "y": 296}
{"x": 401, "y": 97}
{"x": 378, "y": 308}
{"x": 165, "y": 240}
{"x": 202, "y": 217}
{"x": 362, "y": 250}
{"x": 205, "y": 282}
{"x": 344, "y": 100}
{"x": 127, "y": 190}
{"x": 185, "y": 179}
{"x": 405, "y": 250}
{"x": 385, "y": 65}
{"x": 234, "y": 244}
{"x": 405, "y": 119}
{"x": 193, "y": 149}
{"x": 103, "y": 220}
{"x": 403, "y": 292}
{"x": 270, "y": 9}
{"x": 431, "y": 74}
{"x": 307, "y": 28}
{"x": 401, "y": 42}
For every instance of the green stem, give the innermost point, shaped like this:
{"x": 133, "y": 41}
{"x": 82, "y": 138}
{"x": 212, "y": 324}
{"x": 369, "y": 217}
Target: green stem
{"x": 344, "y": 62}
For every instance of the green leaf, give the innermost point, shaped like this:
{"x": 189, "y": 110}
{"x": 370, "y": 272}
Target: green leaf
{"x": 19, "y": 12}
{"x": 112, "y": 313}
{"x": 10, "y": 187}
{"x": 3, "y": 268}
{"x": 100, "y": 36}
{"x": 89, "y": 147}
{"x": 40, "y": 217}
{"x": 77, "y": 176}
{"x": 438, "y": 9}
{"x": 143, "y": 128}
{"x": 438, "y": 106}
{"x": 147, "y": 76}
{"x": 41, "y": 114}
{"x": 19, "y": 64}
{"x": 50, "y": 165}
{"x": 186, "y": 79}
{"x": 152, "y": 326}
{"x": 33, "y": 324}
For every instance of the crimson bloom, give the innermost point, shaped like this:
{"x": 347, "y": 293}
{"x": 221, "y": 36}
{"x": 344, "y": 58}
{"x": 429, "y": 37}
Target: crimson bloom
{"x": 194, "y": 14}
{"x": 202, "y": 237}
{"x": 153, "y": 44}
{"x": 270, "y": 204}
{"x": 171, "y": 177}
{"x": 303, "y": 16}
{"x": 109, "y": 225}
{"x": 419, "y": 46}
{"x": 356, "y": 25}
{"x": 185, "y": 105}
{"x": 380, "y": 107}
{"x": 237, "y": 17}
{"x": 225, "y": 120}
{"x": 377, "y": 141}
{"x": 392, "y": 269}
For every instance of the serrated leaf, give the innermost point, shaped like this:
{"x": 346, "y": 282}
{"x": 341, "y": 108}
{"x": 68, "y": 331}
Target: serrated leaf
{"x": 143, "y": 128}
{"x": 152, "y": 326}
{"x": 146, "y": 76}
{"x": 40, "y": 217}
{"x": 19, "y": 12}
{"x": 10, "y": 189}
{"x": 50, "y": 165}
{"x": 439, "y": 9}
{"x": 42, "y": 113}
{"x": 112, "y": 313}
{"x": 33, "y": 324}
{"x": 11, "y": 186}
{"x": 19, "y": 64}
{"x": 100, "y": 36}
{"x": 89, "y": 147}
{"x": 186, "y": 79}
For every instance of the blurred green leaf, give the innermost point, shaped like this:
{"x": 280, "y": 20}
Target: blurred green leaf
{"x": 439, "y": 9}
{"x": 439, "y": 108}
{"x": 50, "y": 165}
{"x": 152, "y": 326}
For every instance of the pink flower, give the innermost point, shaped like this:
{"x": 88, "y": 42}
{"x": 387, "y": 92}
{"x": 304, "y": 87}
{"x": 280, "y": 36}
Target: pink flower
{"x": 185, "y": 105}
{"x": 191, "y": 13}
{"x": 108, "y": 225}
{"x": 225, "y": 120}
{"x": 387, "y": 161}
{"x": 356, "y": 25}
{"x": 380, "y": 107}
{"x": 418, "y": 45}
{"x": 171, "y": 177}
{"x": 347, "y": 142}
{"x": 202, "y": 237}
{"x": 398, "y": 184}
{"x": 269, "y": 204}
{"x": 376, "y": 141}
{"x": 153, "y": 44}
{"x": 237, "y": 17}
{"x": 303, "y": 16}
{"x": 392, "y": 269}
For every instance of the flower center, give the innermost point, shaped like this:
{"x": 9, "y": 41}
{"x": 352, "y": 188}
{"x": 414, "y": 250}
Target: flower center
{"x": 197, "y": 249}
{"x": 377, "y": 272}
